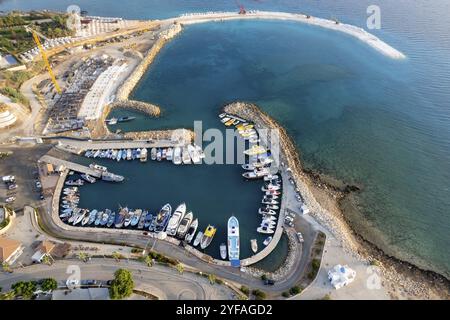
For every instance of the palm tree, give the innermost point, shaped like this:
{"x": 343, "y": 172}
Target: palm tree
{"x": 83, "y": 256}
{"x": 47, "y": 259}
{"x": 180, "y": 268}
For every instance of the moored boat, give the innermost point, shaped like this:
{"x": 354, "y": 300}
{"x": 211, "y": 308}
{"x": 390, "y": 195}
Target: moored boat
{"x": 198, "y": 238}
{"x": 184, "y": 225}
{"x": 143, "y": 157}
{"x": 136, "y": 217}
{"x": 185, "y": 156}
{"x": 175, "y": 220}
{"x": 153, "y": 154}
{"x": 267, "y": 241}
{"x": 254, "y": 245}
{"x": 88, "y": 178}
{"x": 111, "y": 219}
{"x": 191, "y": 231}
{"x": 223, "y": 251}
{"x": 233, "y": 241}
{"x": 162, "y": 218}
{"x": 120, "y": 218}
{"x": 208, "y": 235}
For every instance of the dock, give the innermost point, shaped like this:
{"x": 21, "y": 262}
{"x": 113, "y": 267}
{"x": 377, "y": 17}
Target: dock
{"x": 71, "y": 166}
{"x": 79, "y": 146}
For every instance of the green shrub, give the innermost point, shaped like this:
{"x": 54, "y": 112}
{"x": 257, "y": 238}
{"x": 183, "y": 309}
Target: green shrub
{"x": 264, "y": 277}
{"x": 122, "y": 286}
{"x": 25, "y": 289}
{"x": 49, "y": 284}
{"x": 15, "y": 95}
{"x": 295, "y": 290}
{"x": 259, "y": 294}
{"x": 245, "y": 290}
{"x": 286, "y": 294}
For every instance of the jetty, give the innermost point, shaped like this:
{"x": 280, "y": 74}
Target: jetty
{"x": 71, "y": 166}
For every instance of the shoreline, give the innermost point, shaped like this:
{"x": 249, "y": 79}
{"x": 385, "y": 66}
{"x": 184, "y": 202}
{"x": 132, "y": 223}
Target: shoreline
{"x": 413, "y": 280}
{"x": 354, "y": 31}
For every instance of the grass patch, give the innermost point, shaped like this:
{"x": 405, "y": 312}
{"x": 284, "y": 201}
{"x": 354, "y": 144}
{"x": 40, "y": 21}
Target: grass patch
{"x": 15, "y": 95}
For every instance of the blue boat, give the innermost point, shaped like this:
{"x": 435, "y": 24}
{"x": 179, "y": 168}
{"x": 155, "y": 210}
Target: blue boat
{"x": 148, "y": 219}
{"x": 163, "y": 218}
{"x": 233, "y": 241}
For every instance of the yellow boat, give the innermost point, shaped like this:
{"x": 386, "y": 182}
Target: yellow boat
{"x": 248, "y": 126}
{"x": 208, "y": 235}
{"x": 229, "y": 122}
{"x": 242, "y": 126}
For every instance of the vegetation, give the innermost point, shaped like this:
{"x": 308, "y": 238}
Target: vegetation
{"x": 259, "y": 294}
{"x": 24, "y": 289}
{"x": 286, "y": 294}
{"x": 117, "y": 256}
{"x": 7, "y": 295}
{"x": 6, "y": 267}
{"x": 212, "y": 278}
{"x": 315, "y": 265}
{"x": 245, "y": 290}
{"x": 295, "y": 290}
{"x": 83, "y": 256}
{"x": 122, "y": 286}
{"x": 148, "y": 261}
{"x": 4, "y": 223}
{"x": 49, "y": 284}
{"x": 136, "y": 250}
{"x": 15, "y": 95}
{"x": 180, "y": 268}
{"x": 264, "y": 277}
{"x": 16, "y": 78}
{"x": 163, "y": 259}
{"x": 326, "y": 297}
{"x": 46, "y": 259}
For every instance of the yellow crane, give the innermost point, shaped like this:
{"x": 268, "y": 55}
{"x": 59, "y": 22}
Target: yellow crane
{"x": 44, "y": 57}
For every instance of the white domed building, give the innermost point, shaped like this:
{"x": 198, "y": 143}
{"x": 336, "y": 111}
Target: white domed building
{"x": 7, "y": 118}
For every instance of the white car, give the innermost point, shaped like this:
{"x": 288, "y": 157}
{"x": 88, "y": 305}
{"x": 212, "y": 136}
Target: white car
{"x": 72, "y": 283}
{"x": 300, "y": 237}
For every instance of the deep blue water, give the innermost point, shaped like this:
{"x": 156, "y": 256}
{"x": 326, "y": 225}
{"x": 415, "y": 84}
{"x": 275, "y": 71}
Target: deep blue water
{"x": 354, "y": 114}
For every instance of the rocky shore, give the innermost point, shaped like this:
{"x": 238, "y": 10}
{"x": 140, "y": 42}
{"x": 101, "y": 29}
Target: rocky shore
{"x": 403, "y": 280}
{"x": 140, "y": 106}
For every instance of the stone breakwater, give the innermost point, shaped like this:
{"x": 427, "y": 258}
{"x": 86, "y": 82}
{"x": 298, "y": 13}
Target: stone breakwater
{"x": 143, "y": 107}
{"x": 125, "y": 90}
{"x": 290, "y": 156}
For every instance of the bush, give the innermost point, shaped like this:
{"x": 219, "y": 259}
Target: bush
{"x": 162, "y": 259}
{"x": 295, "y": 290}
{"x": 264, "y": 277}
{"x": 136, "y": 250}
{"x": 259, "y": 294}
{"x": 122, "y": 286}
{"x": 286, "y": 294}
{"x": 15, "y": 95}
{"x": 245, "y": 290}
{"x": 49, "y": 284}
{"x": 25, "y": 289}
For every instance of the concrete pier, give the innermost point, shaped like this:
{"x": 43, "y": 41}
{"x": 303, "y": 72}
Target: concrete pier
{"x": 71, "y": 166}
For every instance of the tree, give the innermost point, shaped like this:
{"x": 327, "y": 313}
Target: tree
{"x": 83, "y": 256}
{"x": 49, "y": 284}
{"x": 122, "y": 286}
{"x": 47, "y": 260}
{"x": 6, "y": 267}
{"x": 148, "y": 261}
{"x": 117, "y": 256}
{"x": 259, "y": 294}
{"x": 264, "y": 277}
{"x": 180, "y": 268}
{"x": 7, "y": 295}
{"x": 211, "y": 278}
{"x": 25, "y": 289}
{"x": 245, "y": 290}
{"x": 295, "y": 290}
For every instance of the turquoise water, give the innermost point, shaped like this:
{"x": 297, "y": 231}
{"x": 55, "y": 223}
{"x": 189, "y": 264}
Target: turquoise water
{"x": 354, "y": 114}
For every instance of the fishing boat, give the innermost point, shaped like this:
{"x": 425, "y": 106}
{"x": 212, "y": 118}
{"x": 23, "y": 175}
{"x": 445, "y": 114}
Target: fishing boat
{"x": 163, "y": 217}
{"x": 208, "y": 235}
{"x": 136, "y": 217}
{"x": 169, "y": 154}
{"x": 148, "y": 219}
{"x": 175, "y": 220}
{"x": 111, "y": 219}
{"x": 194, "y": 154}
{"x": 86, "y": 218}
{"x": 143, "y": 157}
{"x": 98, "y": 219}
{"x": 266, "y": 211}
{"x": 254, "y": 245}
{"x": 191, "y": 231}
{"x": 184, "y": 225}
{"x": 105, "y": 217}
{"x": 128, "y": 219}
{"x": 185, "y": 156}
{"x": 120, "y": 218}
{"x": 177, "y": 156}
{"x": 92, "y": 216}
{"x": 233, "y": 241}
{"x": 88, "y": 178}
{"x": 94, "y": 166}
{"x": 141, "y": 222}
{"x": 77, "y": 182}
{"x": 153, "y": 154}
{"x": 223, "y": 251}
{"x": 267, "y": 241}
{"x": 198, "y": 238}
{"x": 255, "y": 150}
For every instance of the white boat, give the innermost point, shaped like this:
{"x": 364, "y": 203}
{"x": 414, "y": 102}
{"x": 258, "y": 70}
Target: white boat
{"x": 194, "y": 154}
{"x": 233, "y": 241}
{"x": 169, "y": 154}
{"x": 222, "y": 115}
{"x": 256, "y": 174}
{"x": 271, "y": 177}
{"x": 98, "y": 167}
{"x": 177, "y": 156}
{"x": 198, "y": 238}
{"x": 184, "y": 225}
{"x": 254, "y": 245}
{"x": 265, "y": 229}
{"x": 269, "y": 218}
{"x": 272, "y": 207}
{"x": 270, "y": 188}
{"x": 159, "y": 155}
{"x": 88, "y": 178}
{"x": 119, "y": 155}
{"x": 267, "y": 241}
{"x": 191, "y": 231}
{"x": 266, "y": 211}
{"x": 271, "y": 202}
{"x": 128, "y": 219}
{"x": 185, "y": 156}
{"x": 223, "y": 251}
{"x": 225, "y": 119}
{"x": 85, "y": 219}
{"x": 153, "y": 154}
{"x": 175, "y": 220}
{"x": 143, "y": 157}
{"x": 80, "y": 217}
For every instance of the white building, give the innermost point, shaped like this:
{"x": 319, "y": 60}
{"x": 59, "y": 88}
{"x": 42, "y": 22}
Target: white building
{"x": 341, "y": 276}
{"x": 7, "y": 119}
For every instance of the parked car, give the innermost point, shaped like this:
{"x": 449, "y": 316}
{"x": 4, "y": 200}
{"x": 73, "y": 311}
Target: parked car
{"x": 10, "y": 199}
{"x": 300, "y": 237}
{"x": 12, "y": 186}
{"x": 38, "y": 185}
{"x": 8, "y": 179}
{"x": 269, "y": 282}
{"x": 72, "y": 282}
{"x": 89, "y": 282}
{"x": 41, "y": 197}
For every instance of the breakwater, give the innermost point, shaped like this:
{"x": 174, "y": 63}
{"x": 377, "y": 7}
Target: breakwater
{"x": 143, "y": 107}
